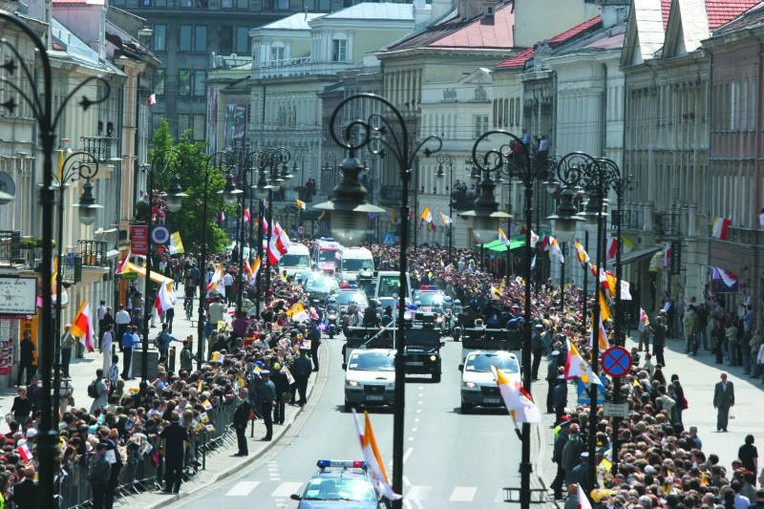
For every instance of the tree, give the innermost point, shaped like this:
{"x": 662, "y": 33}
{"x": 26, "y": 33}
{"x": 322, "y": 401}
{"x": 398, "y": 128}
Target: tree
{"x": 189, "y": 160}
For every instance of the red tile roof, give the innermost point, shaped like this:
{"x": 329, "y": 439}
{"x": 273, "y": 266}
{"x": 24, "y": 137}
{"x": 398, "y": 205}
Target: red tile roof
{"x": 473, "y": 33}
{"x": 520, "y": 59}
{"x": 482, "y": 34}
{"x": 751, "y": 17}
{"x": 722, "y": 11}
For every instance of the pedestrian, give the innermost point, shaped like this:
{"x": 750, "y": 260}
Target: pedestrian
{"x": 559, "y": 445}
{"x": 22, "y": 407}
{"x": 537, "y": 348}
{"x": 281, "y": 382}
{"x": 130, "y": 340}
{"x": 24, "y": 493}
{"x": 676, "y": 392}
{"x": 65, "y": 393}
{"x": 99, "y": 392}
{"x": 243, "y": 414}
{"x": 551, "y": 379}
{"x": 301, "y": 372}
{"x": 163, "y": 342}
{"x": 580, "y": 473}
{"x": 107, "y": 319}
{"x": 724, "y": 399}
{"x": 107, "y": 339}
{"x": 560, "y": 398}
{"x": 266, "y": 399}
{"x": 186, "y": 357}
{"x": 68, "y": 341}
{"x": 26, "y": 358}
{"x": 169, "y": 317}
{"x": 314, "y": 336}
{"x": 749, "y": 456}
{"x": 660, "y": 332}
{"x": 111, "y": 438}
{"x": 572, "y": 502}
{"x": 112, "y": 374}
{"x": 718, "y": 339}
{"x": 99, "y": 475}
{"x": 123, "y": 321}
{"x": 571, "y": 453}
{"x": 174, "y": 438}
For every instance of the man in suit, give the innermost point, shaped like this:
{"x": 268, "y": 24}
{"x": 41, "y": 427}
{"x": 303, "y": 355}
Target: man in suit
{"x": 175, "y": 437}
{"x": 724, "y": 399}
{"x": 240, "y": 420}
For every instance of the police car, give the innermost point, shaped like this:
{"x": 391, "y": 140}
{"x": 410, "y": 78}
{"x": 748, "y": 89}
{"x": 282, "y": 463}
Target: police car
{"x": 349, "y": 294}
{"x": 479, "y": 387}
{"x": 429, "y": 301}
{"x": 340, "y": 484}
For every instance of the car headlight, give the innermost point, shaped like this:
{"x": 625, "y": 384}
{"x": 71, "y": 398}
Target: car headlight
{"x": 351, "y": 383}
{"x": 390, "y": 386}
{"x": 469, "y": 385}
{"x": 433, "y": 358}
{"x": 439, "y": 319}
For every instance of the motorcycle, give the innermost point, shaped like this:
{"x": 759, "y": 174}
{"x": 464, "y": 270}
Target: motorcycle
{"x": 331, "y": 322}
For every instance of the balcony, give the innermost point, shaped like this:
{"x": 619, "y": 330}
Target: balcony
{"x": 390, "y": 196}
{"x": 103, "y": 148}
{"x": 668, "y": 223}
{"x": 630, "y": 219}
{"x": 10, "y": 248}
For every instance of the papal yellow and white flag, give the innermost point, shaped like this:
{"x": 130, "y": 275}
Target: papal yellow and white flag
{"x": 373, "y": 459}
{"x": 518, "y": 401}
{"x": 576, "y": 366}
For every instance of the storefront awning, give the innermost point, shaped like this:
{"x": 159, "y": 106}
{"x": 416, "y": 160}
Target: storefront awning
{"x": 141, "y": 271}
{"x": 639, "y": 254}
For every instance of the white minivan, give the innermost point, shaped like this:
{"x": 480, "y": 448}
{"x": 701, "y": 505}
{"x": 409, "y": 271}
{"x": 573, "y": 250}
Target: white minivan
{"x": 296, "y": 260}
{"x": 369, "y": 377}
{"x": 355, "y": 262}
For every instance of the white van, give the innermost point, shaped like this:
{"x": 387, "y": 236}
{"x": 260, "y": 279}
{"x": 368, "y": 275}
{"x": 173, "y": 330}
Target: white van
{"x": 296, "y": 260}
{"x": 354, "y": 262}
{"x": 369, "y": 377}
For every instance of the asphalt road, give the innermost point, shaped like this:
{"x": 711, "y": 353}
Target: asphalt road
{"x": 450, "y": 460}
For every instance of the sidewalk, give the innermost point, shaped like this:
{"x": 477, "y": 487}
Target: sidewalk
{"x": 698, "y": 376}
{"x": 219, "y": 463}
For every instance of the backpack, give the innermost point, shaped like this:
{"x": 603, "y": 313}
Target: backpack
{"x": 93, "y": 389}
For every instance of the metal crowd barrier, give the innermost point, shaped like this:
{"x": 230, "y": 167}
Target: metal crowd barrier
{"x": 144, "y": 472}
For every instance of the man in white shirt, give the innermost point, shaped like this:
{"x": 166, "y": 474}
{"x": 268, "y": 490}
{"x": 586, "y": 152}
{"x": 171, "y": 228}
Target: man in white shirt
{"x": 122, "y": 320}
{"x": 106, "y": 343}
{"x": 228, "y": 283}
{"x": 101, "y": 310}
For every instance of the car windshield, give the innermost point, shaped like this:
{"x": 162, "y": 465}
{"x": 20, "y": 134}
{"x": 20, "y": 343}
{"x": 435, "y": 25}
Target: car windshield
{"x": 347, "y": 297}
{"x": 356, "y": 264}
{"x": 341, "y": 488}
{"x": 372, "y": 361}
{"x": 482, "y": 363}
{"x": 389, "y": 286}
{"x": 429, "y": 298}
{"x": 319, "y": 284}
{"x": 327, "y": 255}
{"x": 294, "y": 260}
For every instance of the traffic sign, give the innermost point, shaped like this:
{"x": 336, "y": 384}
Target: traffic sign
{"x": 160, "y": 235}
{"x": 388, "y": 239}
{"x": 616, "y": 409}
{"x": 616, "y": 361}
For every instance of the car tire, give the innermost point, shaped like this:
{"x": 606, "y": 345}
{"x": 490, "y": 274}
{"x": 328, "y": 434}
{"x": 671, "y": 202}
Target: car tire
{"x": 465, "y": 409}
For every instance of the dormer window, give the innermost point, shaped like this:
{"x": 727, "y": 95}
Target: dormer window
{"x": 278, "y": 52}
{"x": 339, "y": 48}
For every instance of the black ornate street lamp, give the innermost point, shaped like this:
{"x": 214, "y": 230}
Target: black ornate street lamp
{"x": 384, "y": 131}
{"x": 77, "y": 165}
{"x": 445, "y": 160}
{"x": 597, "y": 177}
{"x": 39, "y": 99}
{"x": 161, "y": 162}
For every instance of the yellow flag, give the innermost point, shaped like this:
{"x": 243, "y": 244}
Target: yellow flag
{"x": 176, "y": 244}
{"x": 301, "y": 204}
{"x": 604, "y": 307}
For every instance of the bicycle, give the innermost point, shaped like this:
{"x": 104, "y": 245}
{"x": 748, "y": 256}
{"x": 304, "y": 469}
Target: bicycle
{"x": 188, "y": 306}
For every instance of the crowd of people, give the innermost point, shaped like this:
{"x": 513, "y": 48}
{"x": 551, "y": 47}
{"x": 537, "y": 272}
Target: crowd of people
{"x": 256, "y": 363}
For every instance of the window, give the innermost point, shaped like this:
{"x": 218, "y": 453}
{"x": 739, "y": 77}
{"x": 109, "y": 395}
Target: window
{"x": 242, "y": 4}
{"x": 226, "y": 39}
{"x": 184, "y": 123}
{"x": 184, "y": 82}
{"x": 159, "y": 81}
{"x": 481, "y": 124}
{"x": 200, "y": 38}
{"x": 317, "y": 5}
{"x": 196, "y": 124}
{"x": 278, "y": 52}
{"x": 339, "y": 50}
{"x": 119, "y": 3}
{"x": 160, "y": 38}
{"x": 242, "y": 41}
{"x": 185, "y": 36}
{"x": 226, "y": 4}
{"x": 282, "y": 5}
{"x": 199, "y": 86}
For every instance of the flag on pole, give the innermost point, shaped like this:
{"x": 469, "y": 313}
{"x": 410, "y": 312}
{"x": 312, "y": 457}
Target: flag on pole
{"x": 82, "y": 326}
{"x": 25, "y": 453}
{"x": 53, "y": 279}
{"x": 518, "y": 401}
{"x": 576, "y": 366}
{"x": 728, "y": 278}
{"x": 666, "y": 254}
{"x": 447, "y": 221}
{"x": 643, "y": 318}
{"x": 301, "y": 204}
{"x": 176, "y": 244}
{"x": 283, "y": 242}
{"x": 247, "y": 216}
{"x": 426, "y": 217}
{"x": 583, "y": 502}
{"x": 602, "y": 336}
{"x": 372, "y": 457}
{"x": 534, "y": 238}
{"x": 583, "y": 256}
{"x": 221, "y": 217}
{"x": 123, "y": 264}
{"x": 554, "y": 250}
{"x": 605, "y": 314}
{"x": 297, "y": 312}
{"x": 612, "y": 247}
{"x": 720, "y": 227}
{"x": 503, "y": 237}
{"x": 165, "y": 299}
{"x": 264, "y": 224}
{"x": 216, "y": 281}
{"x": 152, "y": 100}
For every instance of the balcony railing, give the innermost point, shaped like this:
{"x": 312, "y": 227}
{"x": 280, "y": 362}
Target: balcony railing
{"x": 668, "y": 223}
{"x": 93, "y": 253}
{"x": 103, "y": 148}
{"x": 630, "y": 219}
{"x": 10, "y": 247}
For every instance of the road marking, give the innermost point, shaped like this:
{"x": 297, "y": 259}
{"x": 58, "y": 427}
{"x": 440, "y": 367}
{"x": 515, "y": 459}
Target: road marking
{"x": 418, "y": 492}
{"x": 463, "y": 494}
{"x": 285, "y": 489}
{"x": 407, "y": 453}
{"x": 242, "y": 488}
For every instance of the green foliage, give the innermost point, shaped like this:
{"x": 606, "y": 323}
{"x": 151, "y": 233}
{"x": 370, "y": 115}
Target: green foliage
{"x": 189, "y": 160}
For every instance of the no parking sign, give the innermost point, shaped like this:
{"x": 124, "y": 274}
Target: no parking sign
{"x": 616, "y": 361}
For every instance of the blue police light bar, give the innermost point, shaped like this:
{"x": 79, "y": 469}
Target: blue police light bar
{"x": 428, "y": 287}
{"x": 322, "y": 464}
